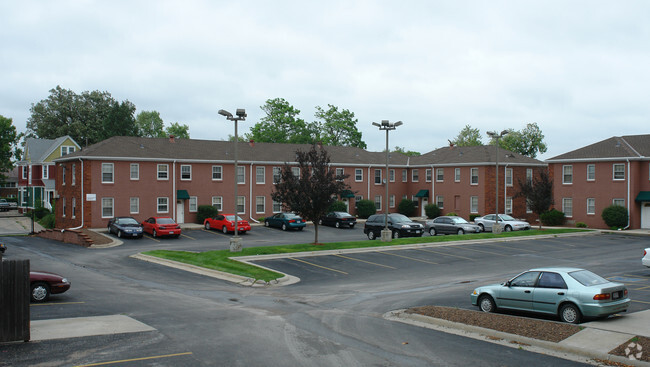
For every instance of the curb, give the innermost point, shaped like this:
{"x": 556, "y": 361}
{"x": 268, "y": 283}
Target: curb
{"x": 512, "y": 340}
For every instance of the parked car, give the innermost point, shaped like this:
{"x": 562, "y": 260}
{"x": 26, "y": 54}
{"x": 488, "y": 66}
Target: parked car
{"x": 42, "y": 284}
{"x": 226, "y": 223}
{"x": 125, "y": 227}
{"x": 3, "y": 248}
{"x": 450, "y": 225}
{"x": 570, "y": 293}
{"x": 339, "y": 219}
{"x": 508, "y": 222}
{"x": 285, "y": 221}
{"x": 646, "y": 257}
{"x": 161, "y": 226}
{"x": 7, "y": 205}
{"x": 399, "y": 224}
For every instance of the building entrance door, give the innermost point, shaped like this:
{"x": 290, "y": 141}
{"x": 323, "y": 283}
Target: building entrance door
{"x": 425, "y": 202}
{"x": 645, "y": 215}
{"x": 180, "y": 211}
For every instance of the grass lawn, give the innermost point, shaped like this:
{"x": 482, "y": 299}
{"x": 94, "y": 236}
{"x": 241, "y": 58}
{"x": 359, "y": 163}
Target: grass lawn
{"x": 223, "y": 260}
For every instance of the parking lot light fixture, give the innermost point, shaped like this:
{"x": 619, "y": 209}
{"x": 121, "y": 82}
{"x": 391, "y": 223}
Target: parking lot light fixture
{"x": 386, "y": 234}
{"x": 235, "y": 241}
{"x": 496, "y": 136}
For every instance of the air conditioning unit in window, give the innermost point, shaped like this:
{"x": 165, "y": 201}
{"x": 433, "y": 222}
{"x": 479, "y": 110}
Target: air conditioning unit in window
{"x": 56, "y": 194}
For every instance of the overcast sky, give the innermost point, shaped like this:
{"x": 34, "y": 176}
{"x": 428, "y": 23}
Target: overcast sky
{"x": 579, "y": 69}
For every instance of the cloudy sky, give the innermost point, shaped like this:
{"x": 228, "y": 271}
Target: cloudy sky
{"x": 579, "y": 69}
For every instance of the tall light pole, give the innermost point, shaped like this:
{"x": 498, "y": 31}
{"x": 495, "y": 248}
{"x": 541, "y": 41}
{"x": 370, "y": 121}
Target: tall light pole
{"x": 496, "y": 136}
{"x": 386, "y": 234}
{"x": 235, "y": 241}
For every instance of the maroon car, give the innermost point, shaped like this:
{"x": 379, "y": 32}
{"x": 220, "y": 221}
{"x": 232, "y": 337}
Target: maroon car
{"x": 43, "y": 284}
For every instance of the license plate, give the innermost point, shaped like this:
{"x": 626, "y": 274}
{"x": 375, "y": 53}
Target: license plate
{"x": 616, "y": 295}
{"x": 417, "y": 231}
{"x": 171, "y": 232}
{"x": 135, "y": 235}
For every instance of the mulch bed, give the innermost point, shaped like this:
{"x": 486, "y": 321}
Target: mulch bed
{"x": 632, "y": 348}
{"x": 98, "y": 238}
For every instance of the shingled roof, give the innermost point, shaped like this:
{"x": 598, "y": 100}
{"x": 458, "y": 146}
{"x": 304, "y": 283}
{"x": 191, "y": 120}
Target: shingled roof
{"x": 629, "y": 146}
{"x": 473, "y": 155}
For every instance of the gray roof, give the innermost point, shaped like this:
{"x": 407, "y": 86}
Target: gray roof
{"x": 40, "y": 149}
{"x": 629, "y": 146}
{"x": 193, "y": 150}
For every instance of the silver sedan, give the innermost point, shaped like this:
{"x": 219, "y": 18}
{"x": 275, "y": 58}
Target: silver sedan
{"x": 450, "y": 225}
{"x": 508, "y": 222}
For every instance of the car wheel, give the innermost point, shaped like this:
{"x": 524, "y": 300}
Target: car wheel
{"x": 337, "y": 225}
{"x": 207, "y": 225}
{"x": 224, "y": 229}
{"x": 284, "y": 226}
{"x": 119, "y": 233}
{"x": 460, "y": 231}
{"x": 432, "y": 231}
{"x": 154, "y": 233}
{"x": 266, "y": 223}
{"x": 570, "y": 313}
{"x": 371, "y": 235}
{"x": 320, "y": 222}
{"x": 40, "y": 292}
{"x": 486, "y": 304}
{"x": 481, "y": 227}
{"x": 396, "y": 234}
{"x": 508, "y": 229}
{"x": 351, "y": 226}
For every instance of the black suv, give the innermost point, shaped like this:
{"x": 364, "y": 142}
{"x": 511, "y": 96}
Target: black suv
{"x": 399, "y": 224}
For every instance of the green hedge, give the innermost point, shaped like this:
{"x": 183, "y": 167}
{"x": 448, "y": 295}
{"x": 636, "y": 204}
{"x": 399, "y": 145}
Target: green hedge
{"x": 552, "y": 217}
{"x": 205, "y": 211}
{"x": 366, "y": 208}
{"x": 432, "y": 211}
{"x": 406, "y": 207}
{"x": 615, "y": 216}
{"x": 338, "y": 206}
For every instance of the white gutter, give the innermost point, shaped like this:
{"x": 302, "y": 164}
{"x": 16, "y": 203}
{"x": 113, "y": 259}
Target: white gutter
{"x": 82, "y": 195}
{"x": 250, "y": 195}
{"x": 629, "y": 178}
{"x": 368, "y": 191}
{"x": 173, "y": 192}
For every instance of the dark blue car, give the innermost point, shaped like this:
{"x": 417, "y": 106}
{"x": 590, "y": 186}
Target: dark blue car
{"x": 285, "y": 221}
{"x": 125, "y": 227}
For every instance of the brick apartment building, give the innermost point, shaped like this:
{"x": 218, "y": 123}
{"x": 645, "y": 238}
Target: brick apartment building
{"x": 143, "y": 177}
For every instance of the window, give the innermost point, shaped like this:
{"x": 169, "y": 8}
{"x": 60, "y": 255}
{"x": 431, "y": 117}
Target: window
{"x": 473, "y": 206}
{"x": 440, "y": 174}
{"x": 428, "y": 175}
{"x": 339, "y": 174}
{"x": 567, "y": 207}
{"x": 45, "y": 172}
{"x": 74, "y": 173}
{"x": 260, "y": 172}
{"x": 134, "y": 205}
{"x": 295, "y": 171}
{"x": 551, "y": 280}
{"x": 619, "y": 171}
{"x": 259, "y": 204}
{"x": 456, "y": 174}
{"x": 529, "y": 175}
{"x": 377, "y": 176}
{"x": 241, "y": 174}
{"x": 74, "y": 207}
{"x": 217, "y": 172}
{"x": 391, "y": 201}
{"x": 405, "y": 176}
{"x": 186, "y": 172}
{"x": 25, "y": 172}
{"x": 62, "y": 203}
{"x": 591, "y": 172}
{"x": 567, "y": 175}
{"x": 528, "y": 208}
{"x": 508, "y": 176}
{"x": 276, "y": 174}
{"x": 415, "y": 201}
{"x": 391, "y": 175}
{"x": 193, "y": 207}
{"x": 474, "y": 176}
{"x": 619, "y": 202}
{"x": 415, "y": 175}
{"x": 62, "y": 175}
{"x": 378, "y": 202}
{"x": 217, "y": 202}
{"x": 65, "y": 150}
{"x": 241, "y": 204}
{"x": 591, "y": 206}
{"x": 357, "y": 198}
{"x": 358, "y": 174}
{"x": 107, "y": 207}
{"x": 107, "y": 172}
{"x": 135, "y": 171}
{"x": 508, "y": 205}
{"x": 440, "y": 201}
{"x": 163, "y": 171}
{"x": 163, "y": 205}
{"x": 277, "y": 207}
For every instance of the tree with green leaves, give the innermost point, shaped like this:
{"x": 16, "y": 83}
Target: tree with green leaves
{"x": 178, "y": 130}
{"x": 410, "y": 153}
{"x": 338, "y": 128}
{"x": 312, "y": 192}
{"x": 528, "y": 141}
{"x": 9, "y": 146}
{"x": 467, "y": 137}
{"x": 538, "y": 193}
{"x": 150, "y": 124}
{"x": 282, "y": 125}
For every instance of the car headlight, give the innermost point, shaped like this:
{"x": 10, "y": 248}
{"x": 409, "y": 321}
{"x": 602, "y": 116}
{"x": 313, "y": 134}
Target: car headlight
{"x": 475, "y": 292}
{"x": 64, "y": 280}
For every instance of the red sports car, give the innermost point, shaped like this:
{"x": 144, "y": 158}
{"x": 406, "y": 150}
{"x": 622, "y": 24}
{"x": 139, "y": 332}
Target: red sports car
{"x": 42, "y": 284}
{"x": 161, "y": 226}
{"x": 226, "y": 223}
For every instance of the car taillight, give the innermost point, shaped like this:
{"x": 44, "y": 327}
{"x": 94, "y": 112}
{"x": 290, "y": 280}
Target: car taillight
{"x": 625, "y": 292}
{"x": 602, "y": 297}
{"x": 292, "y": 220}
{"x": 645, "y": 252}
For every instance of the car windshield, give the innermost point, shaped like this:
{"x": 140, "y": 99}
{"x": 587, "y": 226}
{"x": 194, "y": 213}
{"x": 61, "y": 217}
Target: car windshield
{"x": 587, "y": 278}
{"x": 398, "y": 218}
{"x": 127, "y": 221}
{"x": 506, "y": 217}
{"x": 232, "y": 217}
{"x": 165, "y": 221}
{"x": 459, "y": 221}
{"x": 291, "y": 216}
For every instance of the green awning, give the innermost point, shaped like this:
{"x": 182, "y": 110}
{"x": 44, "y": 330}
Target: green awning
{"x": 422, "y": 194}
{"x": 182, "y": 194}
{"x": 643, "y": 196}
{"x": 347, "y": 194}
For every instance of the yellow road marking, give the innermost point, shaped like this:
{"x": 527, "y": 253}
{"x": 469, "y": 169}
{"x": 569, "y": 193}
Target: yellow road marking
{"x": 211, "y": 231}
{"x": 444, "y": 254}
{"x": 135, "y": 359}
{"x": 151, "y": 238}
{"x": 641, "y": 289}
{"x": 487, "y": 252}
{"x": 364, "y": 261}
{"x": 55, "y": 303}
{"x": 647, "y": 303}
{"x": 184, "y": 235}
{"x": 408, "y": 257}
{"x": 318, "y": 266}
{"x": 634, "y": 276}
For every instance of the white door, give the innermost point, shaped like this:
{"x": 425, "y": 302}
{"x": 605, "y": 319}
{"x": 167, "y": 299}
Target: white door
{"x": 347, "y": 205}
{"x": 180, "y": 211}
{"x": 645, "y": 215}
{"x": 425, "y": 202}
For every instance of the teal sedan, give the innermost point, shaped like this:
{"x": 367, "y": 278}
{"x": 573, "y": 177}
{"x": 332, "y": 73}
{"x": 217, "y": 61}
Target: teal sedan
{"x": 570, "y": 293}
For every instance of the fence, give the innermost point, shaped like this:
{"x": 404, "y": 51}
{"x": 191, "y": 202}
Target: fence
{"x": 14, "y": 300}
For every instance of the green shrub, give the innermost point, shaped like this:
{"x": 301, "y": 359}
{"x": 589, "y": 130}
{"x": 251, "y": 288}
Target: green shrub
{"x": 406, "y": 207}
{"x": 473, "y": 216}
{"x": 432, "y": 211}
{"x": 205, "y": 211}
{"x": 615, "y": 216}
{"x": 366, "y": 208}
{"x": 338, "y": 206}
{"x": 451, "y": 214}
{"x": 552, "y": 217}
{"x": 48, "y": 221}
{"x": 581, "y": 225}
{"x": 41, "y": 212}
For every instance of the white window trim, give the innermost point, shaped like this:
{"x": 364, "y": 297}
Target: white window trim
{"x": 391, "y": 201}
{"x": 62, "y": 205}
{"x": 263, "y": 204}
{"x": 257, "y": 180}
{"x": 415, "y": 175}
{"x": 471, "y": 176}
{"x": 594, "y": 201}
{"x": 45, "y": 172}
{"x": 220, "y": 173}
{"x": 564, "y": 182}
{"x": 614, "y": 172}
{"x": 380, "y": 202}
{"x": 137, "y": 171}
{"x": 243, "y": 198}
{"x": 158, "y": 172}
{"x": 381, "y": 179}
{"x": 391, "y": 175}
{"x": 112, "y": 172}
{"x": 358, "y": 172}
{"x": 509, "y": 184}
{"x": 471, "y": 203}
{"x": 274, "y": 204}
{"x": 443, "y": 175}
{"x": 186, "y": 179}
{"x": 158, "y": 204}
{"x": 137, "y": 201}
{"x": 438, "y": 201}
{"x": 457, "y": 173}
{"x": 405, "y": 175}
{"x": 112, "y": 208}
{"x": 217, "y": 202}
{"x": 196, "y": 204}
{"x": 428, "y": 175}
{"x": 564, "y": 200}
{"x": 591, "y": 179}
{"x": 74, "y": 207}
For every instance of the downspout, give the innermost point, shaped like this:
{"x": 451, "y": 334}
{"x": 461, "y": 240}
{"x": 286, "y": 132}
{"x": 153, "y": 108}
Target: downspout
{"x": 250, "y": 195}
{"x": 174, "y": 191}
{"x": 629, "y": 178}
{"x": 433, "y": 186}
{"x": 368, "y": 191}
{"x": 505, "y": 189}
{"x": 82, "y": 195}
